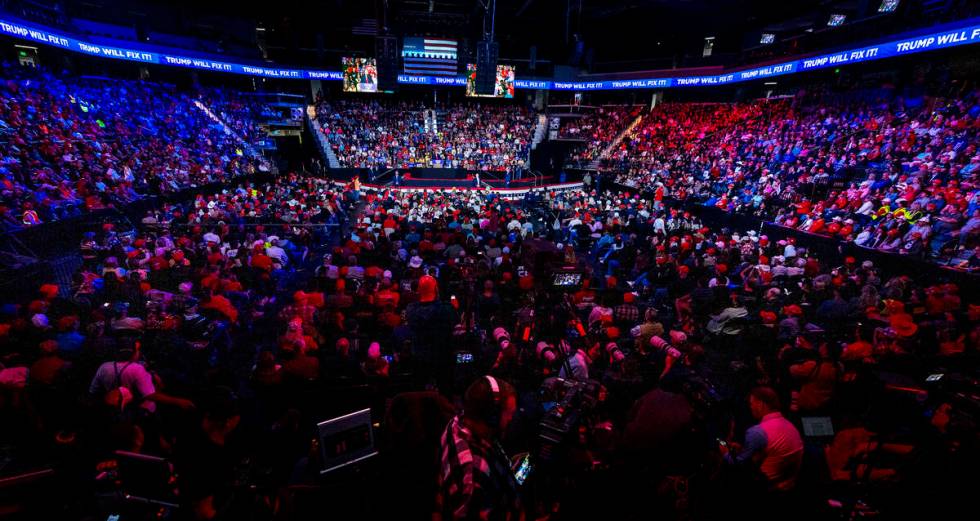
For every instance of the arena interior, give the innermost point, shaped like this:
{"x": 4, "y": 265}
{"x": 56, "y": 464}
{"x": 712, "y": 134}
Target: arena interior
{"x": 513, "y": 260}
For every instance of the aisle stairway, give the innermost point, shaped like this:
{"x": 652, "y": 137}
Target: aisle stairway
{"x": 325, "y": 149}
{"x": 332, "y": 161}
{"x": 247, "y": 147}
{"x": 594, "y": 165}
{"x": 540, "y": 131}
{"x": 432, "y": 121}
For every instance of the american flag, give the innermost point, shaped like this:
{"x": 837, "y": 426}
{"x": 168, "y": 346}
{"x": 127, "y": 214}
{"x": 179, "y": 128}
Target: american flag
{"x": 365, "y": 27}
{"x": 429, "y": 56}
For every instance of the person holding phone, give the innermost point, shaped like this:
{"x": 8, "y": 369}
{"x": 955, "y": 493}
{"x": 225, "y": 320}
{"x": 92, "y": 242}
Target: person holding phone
{"x": 475, "y": 479}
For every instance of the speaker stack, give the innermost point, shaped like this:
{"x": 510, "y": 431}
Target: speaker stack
{"x": 486, "y": 66}
{"x": 386, "y": 51}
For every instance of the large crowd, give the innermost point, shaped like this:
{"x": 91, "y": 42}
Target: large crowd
{"x": 598, "y": 129}
{"x": 241, "y": 113}
{"x": 565, "y": 354}
{"x": 472, "y": 136}
{"x": 874, "y": 168}
{"x": 217, "y": 331}
{"x": 72, "y": 144}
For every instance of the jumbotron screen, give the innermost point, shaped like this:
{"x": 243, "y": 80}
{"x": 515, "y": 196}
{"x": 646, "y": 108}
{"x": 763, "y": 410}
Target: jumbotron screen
{"x": 503, "y": 86}
{"x": 429, "y": 56}
{"x": 360, "y": 75}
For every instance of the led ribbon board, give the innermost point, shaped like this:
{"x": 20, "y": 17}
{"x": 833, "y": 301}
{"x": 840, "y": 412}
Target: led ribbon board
{"x": 953, "y": 35}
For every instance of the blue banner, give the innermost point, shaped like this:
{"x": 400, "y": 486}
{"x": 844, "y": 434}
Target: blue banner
{"x": 963, "y": 33}
{"x": 928, "y": 42}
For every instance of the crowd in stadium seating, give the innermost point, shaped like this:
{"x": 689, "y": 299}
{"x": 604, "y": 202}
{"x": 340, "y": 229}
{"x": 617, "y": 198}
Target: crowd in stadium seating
{"x": 882, "y": 171}
{"x": 697, "y": 366}
{"x": 598, "y": 129}
{"x": 241, "y": 113}
{"x": 885, "y": 172}
{"x": 71, "y": 144}
{"x": 240, "y": 308}
{"x": 474, "y": 136}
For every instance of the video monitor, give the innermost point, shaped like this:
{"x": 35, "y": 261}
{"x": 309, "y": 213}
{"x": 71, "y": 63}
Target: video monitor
{"x": 503, "y": 85}
{"x": 429, "y": 56}
{"x": 817, "y": 427}
{"x": 360, "y": 75}
{"x": 346, "y": 440}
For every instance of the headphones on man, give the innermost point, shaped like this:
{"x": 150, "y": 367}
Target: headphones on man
{"x": 493, "y": 418}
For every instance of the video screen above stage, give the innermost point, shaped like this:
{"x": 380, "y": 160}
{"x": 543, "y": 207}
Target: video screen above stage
{"x": 503, "y": 86}
{"x": 360, "y": 75}
{"x": 429, "y": 56}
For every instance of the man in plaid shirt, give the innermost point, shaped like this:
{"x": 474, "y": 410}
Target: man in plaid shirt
{"x": 627, "y": 314}
{"x": 475, "y": 478}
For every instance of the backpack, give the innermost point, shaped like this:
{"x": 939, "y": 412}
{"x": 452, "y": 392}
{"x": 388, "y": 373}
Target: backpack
{"x": 120, "y": 396}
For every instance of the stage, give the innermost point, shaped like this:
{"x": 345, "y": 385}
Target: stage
{"x": 512, "y": 192}
{"x": 442, "y": 178}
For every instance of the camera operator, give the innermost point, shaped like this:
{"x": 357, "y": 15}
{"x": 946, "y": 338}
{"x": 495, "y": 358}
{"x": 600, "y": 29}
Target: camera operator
{"x": 475, "y": 479}
{"x": 579, "y": 362}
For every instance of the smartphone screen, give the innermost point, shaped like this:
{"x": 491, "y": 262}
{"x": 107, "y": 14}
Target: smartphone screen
{"x": 523, "y": 470}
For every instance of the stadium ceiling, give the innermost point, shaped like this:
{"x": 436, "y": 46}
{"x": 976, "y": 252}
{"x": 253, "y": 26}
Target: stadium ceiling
{"x": 606, "y": 34}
